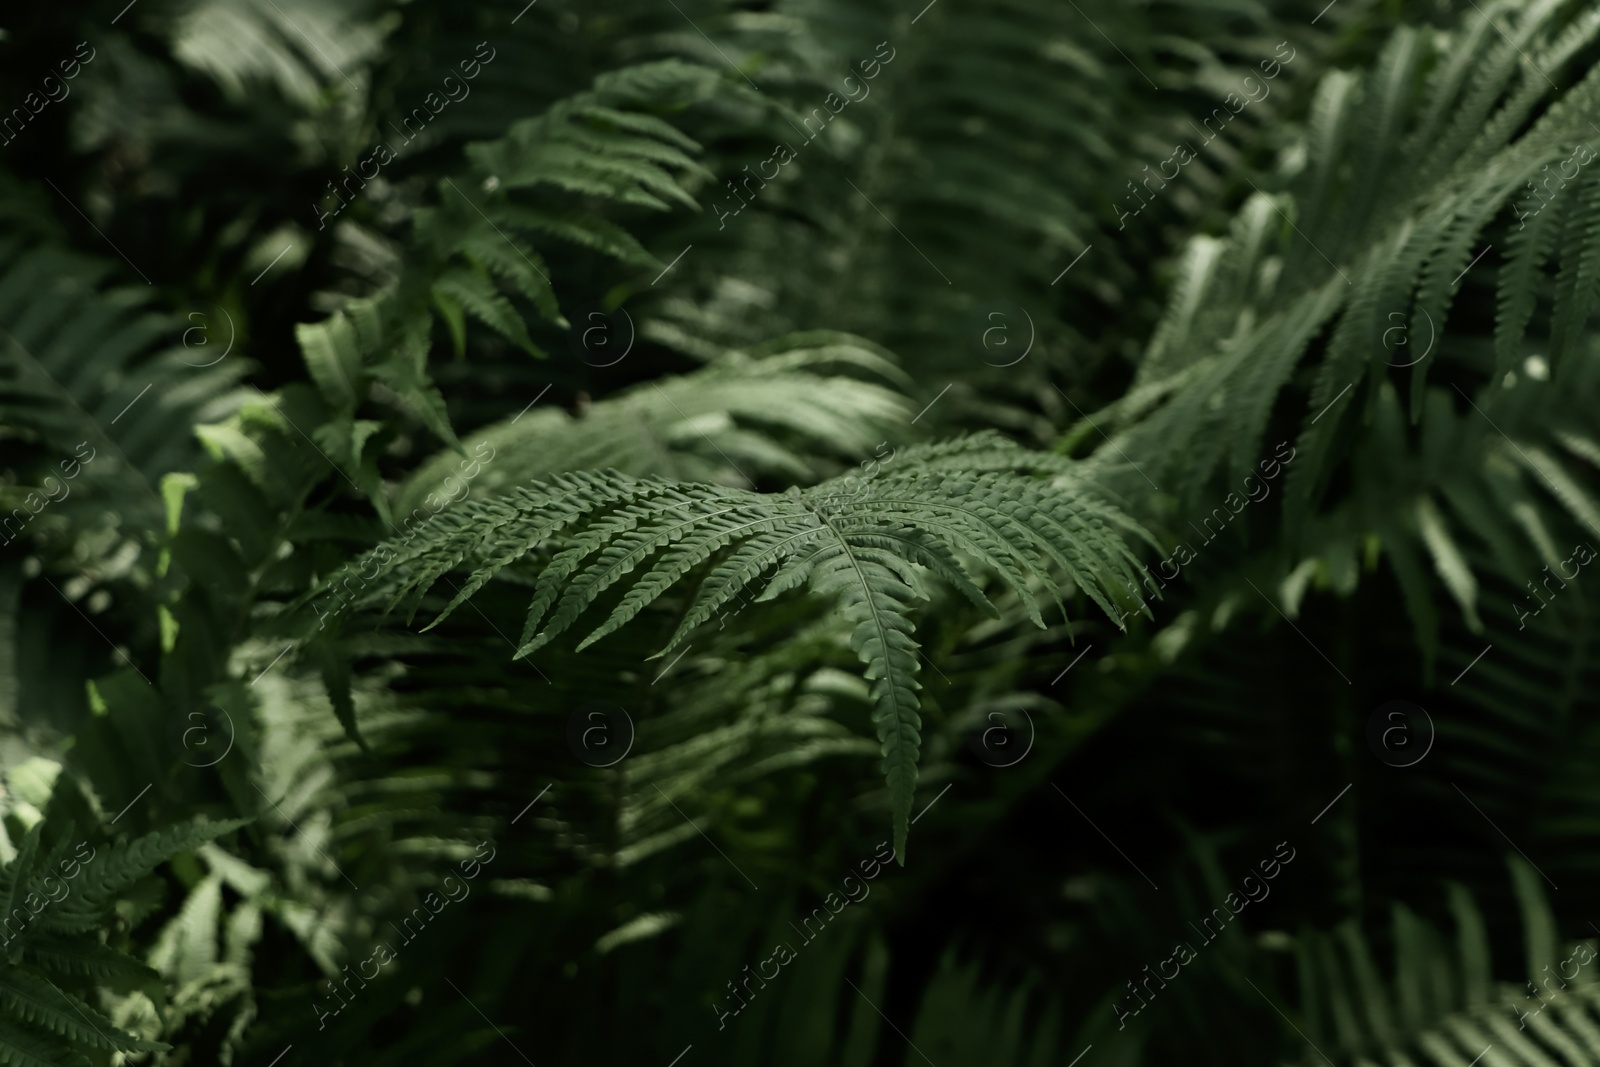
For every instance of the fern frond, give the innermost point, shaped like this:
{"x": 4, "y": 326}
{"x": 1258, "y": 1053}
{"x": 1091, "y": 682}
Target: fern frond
{"x": 474, "y": 292}
{"x": 1441, "y": 1006}
{"x": 590, "y": 146}
{"x": 37, "y": 1001}
{"x": 1356, "y": 248}
{"x": 19, "y": 872}
{"x": 118, "y": 867}
{"x": 875, "y": 598}
{"x": 23, "y": 1048}
{"x": 90, "y": 367}
{"x": 864, "y": 544}
{"x": 1379, "y": 255}
{"x": 242, "y": 46}
{"x": 1530, "y": 247}
{"x": 76, "y": 956}
{"x": 739, "y": 418}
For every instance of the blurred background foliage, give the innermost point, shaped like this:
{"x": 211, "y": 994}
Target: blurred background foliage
{"x": 240, "y": 346}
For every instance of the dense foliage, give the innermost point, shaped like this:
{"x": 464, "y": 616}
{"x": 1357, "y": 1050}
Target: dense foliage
{"x": 794, "y": 533}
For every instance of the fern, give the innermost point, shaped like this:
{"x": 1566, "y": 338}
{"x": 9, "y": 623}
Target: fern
{"x": 867, "y": 550}
{"x": 41, "y": 1022}
{"x": 122, "y": 865}
{"x": 33, "y": 998}
{"x": 953, "y": 157}
{"x": 244, "y": 45}
{"x": 595, "y": 145}
{"x": 638, "y": 513}
{"x": 743, "y": 416}
{"x": 95, "y": 376}
{"x": 73, "y": 956}
{"x": 1320, "y": 276}
{"x": 20, "y": 1047}
{"x": 79, "y": 353}
{"x": 1442, "y": 1006}
{"x": 1386, "y": 251}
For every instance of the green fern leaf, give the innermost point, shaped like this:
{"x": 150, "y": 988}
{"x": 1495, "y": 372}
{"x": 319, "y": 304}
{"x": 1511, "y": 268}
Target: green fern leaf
{"x": 36, "y": 1000}
{"x": 493, "y": 252}
{"x": 22, "y": 1048}
{"x": 1531, "y": 247}
{"x": 476, "y": 293}
{"x": 78, "y": 956}
{"x": 333, "y": 356}
{"x": 117, "y": 867}
{"x": 865, "y": 544}
{"x": 874, "y": 599}
{"x": 20, "y": 874}
{"x": 1448, "y": 560}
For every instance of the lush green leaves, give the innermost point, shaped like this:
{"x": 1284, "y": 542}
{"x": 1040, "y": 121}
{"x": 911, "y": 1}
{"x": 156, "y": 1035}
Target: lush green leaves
{"x": 566, "y": 360}
{"x": 861, "y": 543}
